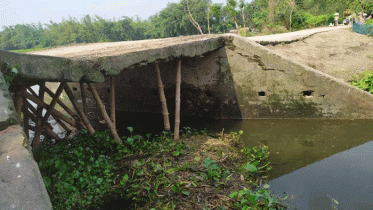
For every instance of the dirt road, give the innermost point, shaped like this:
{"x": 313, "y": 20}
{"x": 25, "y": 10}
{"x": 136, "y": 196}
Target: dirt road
{"x": 291, "y": 36}
{"x": 340, "y": 53}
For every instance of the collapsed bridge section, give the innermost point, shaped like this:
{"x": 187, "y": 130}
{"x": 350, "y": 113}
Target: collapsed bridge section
{"x": 218, "y": 76}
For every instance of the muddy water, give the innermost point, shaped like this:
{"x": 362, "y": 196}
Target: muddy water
{"x": 316, "y": 160}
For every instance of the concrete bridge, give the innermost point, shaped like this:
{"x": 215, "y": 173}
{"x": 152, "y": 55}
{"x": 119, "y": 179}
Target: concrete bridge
{"x": 218, "y": 76}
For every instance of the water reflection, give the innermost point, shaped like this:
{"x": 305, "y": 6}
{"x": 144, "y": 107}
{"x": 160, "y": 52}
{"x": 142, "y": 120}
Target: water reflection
{"x": 346, "y": 177}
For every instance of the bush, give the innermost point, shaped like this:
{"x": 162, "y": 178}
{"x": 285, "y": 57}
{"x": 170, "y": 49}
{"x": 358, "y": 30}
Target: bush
{"x": 318, "y": 20}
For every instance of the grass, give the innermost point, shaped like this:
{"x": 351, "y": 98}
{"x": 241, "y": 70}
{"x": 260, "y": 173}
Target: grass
{"x": 199, "y": 171}
{"x": 364, "y": 82}
{"x": 29, "y": 50}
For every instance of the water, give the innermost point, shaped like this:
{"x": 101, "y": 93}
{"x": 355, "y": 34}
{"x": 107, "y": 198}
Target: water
{"x": 312, "y": 160}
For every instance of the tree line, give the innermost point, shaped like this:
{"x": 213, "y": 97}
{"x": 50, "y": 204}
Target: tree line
{"x": 187, "y": 17}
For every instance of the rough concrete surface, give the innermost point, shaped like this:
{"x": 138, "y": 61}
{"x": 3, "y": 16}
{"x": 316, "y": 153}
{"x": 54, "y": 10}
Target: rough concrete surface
{"x": 21, "y": 184}
{"x": 291, "y": 89}
{"x": 7, "y": 111}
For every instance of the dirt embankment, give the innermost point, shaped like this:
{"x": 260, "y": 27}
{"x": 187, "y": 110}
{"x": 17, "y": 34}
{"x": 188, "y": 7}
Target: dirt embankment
{"x": 340, "y": 53}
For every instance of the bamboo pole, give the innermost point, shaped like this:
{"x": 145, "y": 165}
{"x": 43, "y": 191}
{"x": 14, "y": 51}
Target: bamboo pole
{"x": 177, "y": 100}
{"x": 31, "y": 114}
{"x": 84, "y": 98}
{"x": 79, "y": 110}
{"x": 162, "y": 97}
{"x": 104, "y": 113}
{"x": 64, "y": 106}
{"x": 112, "y": 100}
{"x": 39, "y": 115}
{"x": 55, "y": 113}
{"x": 63, "y": 125}
{"x": 47, "y": 132}
{"x": 53, "y": 103}
{"x": 25, "y": 114}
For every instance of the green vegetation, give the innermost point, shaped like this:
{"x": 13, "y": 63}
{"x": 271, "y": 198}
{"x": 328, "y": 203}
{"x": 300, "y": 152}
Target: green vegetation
{"x": 261, "y": 16}
{"x": 9, "y": 73}
{"x": 198, "y": 172}
{"x": 365, "y": 82}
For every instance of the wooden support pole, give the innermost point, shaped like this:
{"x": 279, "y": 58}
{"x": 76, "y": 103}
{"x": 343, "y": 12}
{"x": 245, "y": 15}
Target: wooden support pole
{"x": 84, "y": 98}
{"x": 112, "y": 100}
{"x": 104, "y": 113}
{"x": 53, "y": 103}
{"x": 55, "y": 113}
{"x": 19, "y": 102}
{"x": 79, "y": 110}
{"x": 63, "y": 125}
{"x": 31, "y": 114}
{"x": 64, "y": 106}
{"x": 47, "y": 132}
{"x": 39, "y": 115}
{"x": 25, "y": 114}
{"x": 177, "y": 100}
{"x": 166, "y": 120}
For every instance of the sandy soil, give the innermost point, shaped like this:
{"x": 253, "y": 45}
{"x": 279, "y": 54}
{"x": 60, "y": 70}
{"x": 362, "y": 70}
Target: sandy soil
{"x": 340, "y": 53}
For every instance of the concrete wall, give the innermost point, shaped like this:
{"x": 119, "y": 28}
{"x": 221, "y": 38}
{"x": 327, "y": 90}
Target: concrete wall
{"x": 21, "y": 184}
{"x": 242, "y": 80}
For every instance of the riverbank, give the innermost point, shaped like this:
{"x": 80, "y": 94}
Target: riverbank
{"x": 200, "y": 171}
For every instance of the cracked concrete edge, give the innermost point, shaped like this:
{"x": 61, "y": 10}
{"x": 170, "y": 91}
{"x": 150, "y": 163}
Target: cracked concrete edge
{"x": 34, "y": 67}
{"x": 21, "y": 184}
{"x": 355, "y": 103}
{"x": 113, "y": 65}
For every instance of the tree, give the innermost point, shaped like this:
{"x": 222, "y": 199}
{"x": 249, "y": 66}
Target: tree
{"x": 190, "y": 16}
{"x": 230, "y": 8}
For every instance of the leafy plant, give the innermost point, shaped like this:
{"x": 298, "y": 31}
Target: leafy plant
{"x": 366, "y": 82}
{"x": 79, "y": 171}
{"x": 259, "y": 199}
{"x": 9, "y": 73}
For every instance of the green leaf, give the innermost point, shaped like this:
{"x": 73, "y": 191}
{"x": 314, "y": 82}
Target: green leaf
{"x": 47, "y": 181}
{"x": 233, "y": 194}
{"x": 174, "y": 189}
{"x": 185, "y": 192}
{"x": 251, "y": 168}
{"x": 335, "y": 201}
{"x": 126, "y": 177}
{"x": 266, "y": 186}
{"x": 99, "y": 181}
{"x": 130, "y": 129}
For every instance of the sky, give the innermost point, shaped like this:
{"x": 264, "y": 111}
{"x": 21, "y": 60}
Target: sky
{"x": 14, "y": 12}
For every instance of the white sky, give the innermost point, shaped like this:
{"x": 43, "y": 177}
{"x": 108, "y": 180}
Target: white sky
{"x": 14, "y": 12}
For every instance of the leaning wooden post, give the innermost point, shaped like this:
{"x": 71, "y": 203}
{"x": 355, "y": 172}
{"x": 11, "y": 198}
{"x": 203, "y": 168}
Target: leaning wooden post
{"x": 112, "y": 100}
{"x": 104, "y": 113}
{"x": 166, "y": 120}
{"x": 177, "y": 100}
{"x": 39, "y": 115}
{"x": 84, "y": 98}
{"x": 79, "y": 110}
{"x": 53, "y": 103}
{"x": 25, "y": 114}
